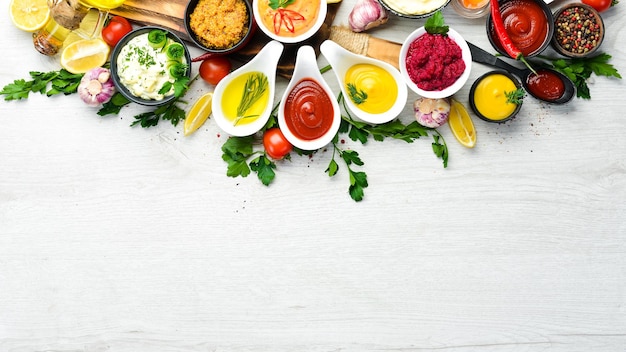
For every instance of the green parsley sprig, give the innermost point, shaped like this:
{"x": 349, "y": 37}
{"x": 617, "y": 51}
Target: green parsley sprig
{"x": 48, "y": 83}
{"x": 170, "y": 111}
{"x": 358, "y": 96}
{"x": 515, "y": 96}
{"x": 579, "y": 70}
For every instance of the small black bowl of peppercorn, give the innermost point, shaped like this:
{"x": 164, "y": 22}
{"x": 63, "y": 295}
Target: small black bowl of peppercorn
{"x": 578, "y": 30}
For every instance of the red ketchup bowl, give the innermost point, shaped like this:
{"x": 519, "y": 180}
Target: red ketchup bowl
{"x": 529, "y": 24}
{"x": 308, "y": 113}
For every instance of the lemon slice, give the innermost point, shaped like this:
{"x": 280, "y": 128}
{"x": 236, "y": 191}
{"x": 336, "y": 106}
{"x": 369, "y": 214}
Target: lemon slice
{"x": 461, "y": 124}
{"x": 83, "y": 55}
{"x": 198, "y": 114}
{"x": 29, "y": 15}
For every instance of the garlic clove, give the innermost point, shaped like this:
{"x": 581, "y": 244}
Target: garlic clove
{"x": 367, "y": 14}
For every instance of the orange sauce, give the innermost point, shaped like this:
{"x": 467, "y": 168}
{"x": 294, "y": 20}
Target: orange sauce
{"x": 291, "y": 21}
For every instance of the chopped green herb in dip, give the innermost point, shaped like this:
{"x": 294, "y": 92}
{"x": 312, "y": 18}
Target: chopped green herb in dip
{"x": 144, "y": 70}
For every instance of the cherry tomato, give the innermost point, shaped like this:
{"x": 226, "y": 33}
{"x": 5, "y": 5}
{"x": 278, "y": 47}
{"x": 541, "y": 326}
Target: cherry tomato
{"x": 599, "y": 5}
{"x": 275, "y": 143}
{"x": 117, "y": 27}
{"x": 213, "y": 69}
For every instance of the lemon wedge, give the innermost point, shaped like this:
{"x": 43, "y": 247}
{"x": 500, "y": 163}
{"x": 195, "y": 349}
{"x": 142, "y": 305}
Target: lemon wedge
{"x": 29, "y": 15}
{"x": 198, "y": 114}
{"x": 461, "y": 124}
{"x": 83, "y": 55}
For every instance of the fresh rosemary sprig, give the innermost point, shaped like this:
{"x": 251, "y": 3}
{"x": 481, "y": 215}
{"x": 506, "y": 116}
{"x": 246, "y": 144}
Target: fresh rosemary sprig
{"x": 253, "y": 90}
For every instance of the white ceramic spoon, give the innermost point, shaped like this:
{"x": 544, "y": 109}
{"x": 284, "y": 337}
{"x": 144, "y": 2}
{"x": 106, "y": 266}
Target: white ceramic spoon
{"x": 341, "y": 60}
{"x": 266, "y": 62}
{"x": 306, "y": 68}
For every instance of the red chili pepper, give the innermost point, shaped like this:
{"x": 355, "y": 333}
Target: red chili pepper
{"x": 505, "y": 40}
{"x": 498, "y": 26}
{"x": 202, "y": 57}
{"x": 278, "y": 21}
{"x": 286, "y": 17}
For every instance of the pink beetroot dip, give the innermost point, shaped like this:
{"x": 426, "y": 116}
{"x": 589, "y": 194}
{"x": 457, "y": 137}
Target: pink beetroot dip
{"x": 434, "y": 62}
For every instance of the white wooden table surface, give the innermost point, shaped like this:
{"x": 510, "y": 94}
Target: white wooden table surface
{"x": 123, "y": 239}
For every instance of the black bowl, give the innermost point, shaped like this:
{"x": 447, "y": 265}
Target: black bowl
{"x": 398, "y": 13}
{"x": 480, "y": 114}
{"x": 191, "y": 6}
{"x": 494, "y": 38}
{"x": 114, "y": 66}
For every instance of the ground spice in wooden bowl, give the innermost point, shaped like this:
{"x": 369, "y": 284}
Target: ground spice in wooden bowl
{"x": 578, "y": 30}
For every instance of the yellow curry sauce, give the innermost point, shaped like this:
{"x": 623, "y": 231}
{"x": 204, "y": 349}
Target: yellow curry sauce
{"x": 376, "y": 89}
{"x": 490, "y": 97}
{"x": 291, "y": 21}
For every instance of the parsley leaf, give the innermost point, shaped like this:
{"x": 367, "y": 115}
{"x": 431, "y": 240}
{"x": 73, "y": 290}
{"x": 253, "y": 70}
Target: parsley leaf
{"x": 358, "y": 179}
{"x": 237, "y": 152}
{"x": 113, "y": 106}
{"x": 48, "y": 83}
{"x": 264, "y": 168}
{"x": 515, "y": 96}
{"x": 358, "y": 96}
{"x": 435, "y": 24}
{"x": 275, "y": 4}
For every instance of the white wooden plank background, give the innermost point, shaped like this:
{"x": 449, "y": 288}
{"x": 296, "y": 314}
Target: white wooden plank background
{"x": 125, "y": 239}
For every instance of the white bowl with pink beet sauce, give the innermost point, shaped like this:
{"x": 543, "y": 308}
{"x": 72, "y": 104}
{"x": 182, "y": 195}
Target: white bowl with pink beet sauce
{"x": 466, "y": 56}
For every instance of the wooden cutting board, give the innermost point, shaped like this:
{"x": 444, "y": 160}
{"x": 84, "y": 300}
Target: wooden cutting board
{"x": 170, "y": 14}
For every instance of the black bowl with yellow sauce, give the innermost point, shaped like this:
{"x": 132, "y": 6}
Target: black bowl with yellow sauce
{"x": 219, "y": 26}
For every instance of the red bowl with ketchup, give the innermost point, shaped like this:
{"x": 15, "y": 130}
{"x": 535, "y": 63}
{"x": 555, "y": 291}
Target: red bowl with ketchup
{"x": 529, "y": 24}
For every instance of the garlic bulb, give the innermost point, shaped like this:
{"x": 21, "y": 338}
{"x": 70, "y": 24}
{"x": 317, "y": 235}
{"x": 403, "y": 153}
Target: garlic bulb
{"x": 96, "y": 87}
{"x": 367, "y": 14}
{"x": 431, "y": 112}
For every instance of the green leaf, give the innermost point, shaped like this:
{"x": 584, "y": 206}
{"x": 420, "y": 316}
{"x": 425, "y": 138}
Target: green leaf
{"x": 264, "y": 168}
{"x": 351, "y": 157}
{"x": 332, "y": 168}
{"x": 440, "y": 149}
{"x": 275, "y": 4}
{"x": 239, "y": 145}
{"x": 358, "y": 96}
{"x": 358, "y": 182}
{"x": 113, "y": 106}
{"x": 436, "y": 24}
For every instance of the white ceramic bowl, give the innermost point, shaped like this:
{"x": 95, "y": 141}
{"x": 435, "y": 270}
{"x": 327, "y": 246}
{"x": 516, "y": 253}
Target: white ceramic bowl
{"x": 450, "y": 90}
{"x": 321, "y": 17}
{"x": 306, "y": 69}
{"x": 341, "y": 60}
{"x": 266, "y": 62}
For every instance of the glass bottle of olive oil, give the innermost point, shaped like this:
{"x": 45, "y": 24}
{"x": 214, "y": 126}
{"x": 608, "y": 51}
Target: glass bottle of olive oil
{"x": 66, "y": 16}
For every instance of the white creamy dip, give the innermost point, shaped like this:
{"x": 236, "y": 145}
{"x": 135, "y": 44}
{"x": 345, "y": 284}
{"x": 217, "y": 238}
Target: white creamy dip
{"x": 143, "y": 70}
{"x": 415, "y": 7}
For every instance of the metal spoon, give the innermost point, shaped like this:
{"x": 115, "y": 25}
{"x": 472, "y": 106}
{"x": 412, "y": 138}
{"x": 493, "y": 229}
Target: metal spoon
{"x": 481, "y": 56}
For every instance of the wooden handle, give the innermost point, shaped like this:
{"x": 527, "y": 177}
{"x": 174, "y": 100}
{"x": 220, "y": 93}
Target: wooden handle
{"x": 164, "y": 13}
{"x": 384, "y": 50}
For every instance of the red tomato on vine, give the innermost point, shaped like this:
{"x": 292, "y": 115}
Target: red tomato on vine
{"x": 116, "y": 28}
{"x": 275, "y": 143}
